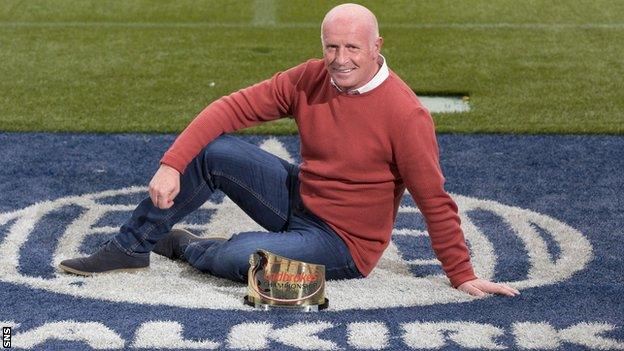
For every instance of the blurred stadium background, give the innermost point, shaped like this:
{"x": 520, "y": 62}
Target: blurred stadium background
{"x": 151, "y": 66}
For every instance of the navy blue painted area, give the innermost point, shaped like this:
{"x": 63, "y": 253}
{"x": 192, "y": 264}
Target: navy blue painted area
{"x": 123, "y": 199}
{"x": 93, "y": 241}
{"x": 135, "y": 197}
{"x": 425, "y": 270}
{"x": 35, "y": 256}
{"x": 408, "y": 201}
{"x": 414, "y": 247}
{"x": 4, "y": 229}
{"x": 113, "y": 218}
{"x": 417, "y": 248}
{"x": 410, "y": 220}
{"x": 514, "y": 263}
{"x": 574, "y": 179}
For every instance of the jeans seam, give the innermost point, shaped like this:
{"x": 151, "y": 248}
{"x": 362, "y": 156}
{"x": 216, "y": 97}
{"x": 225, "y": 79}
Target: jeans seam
{"x": 128, "y": 252}
{"x": 253, "y": 193}
{"x": 169, "y": 215}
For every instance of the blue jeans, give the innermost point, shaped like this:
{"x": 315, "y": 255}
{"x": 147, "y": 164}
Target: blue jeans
{"x": 267, "y": 189}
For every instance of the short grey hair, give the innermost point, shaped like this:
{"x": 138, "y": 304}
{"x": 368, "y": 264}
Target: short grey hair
{"x": 353, "y": 11}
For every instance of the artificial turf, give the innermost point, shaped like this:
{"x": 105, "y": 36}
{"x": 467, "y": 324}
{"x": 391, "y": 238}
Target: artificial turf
{"x": 142, "y": 66}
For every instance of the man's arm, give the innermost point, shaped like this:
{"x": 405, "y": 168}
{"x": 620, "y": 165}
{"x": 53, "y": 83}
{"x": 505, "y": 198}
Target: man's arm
{"x": 417, "y": 160}
{"x": 265, "y": 101}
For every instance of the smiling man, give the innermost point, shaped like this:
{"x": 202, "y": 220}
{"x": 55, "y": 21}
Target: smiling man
{"x": 351, "y": 46}
{"x": 365, "y": 138}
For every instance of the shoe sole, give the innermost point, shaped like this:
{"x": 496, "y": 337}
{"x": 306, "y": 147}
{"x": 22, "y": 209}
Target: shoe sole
{"x": 89, "y": 274}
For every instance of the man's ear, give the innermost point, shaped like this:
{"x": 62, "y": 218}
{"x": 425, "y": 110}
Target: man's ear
{"x": 377, "y": 46}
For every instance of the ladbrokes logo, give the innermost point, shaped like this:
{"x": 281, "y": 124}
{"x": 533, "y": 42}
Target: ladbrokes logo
{"x": 40, "y": 236}
{"x": 287, "y": 277}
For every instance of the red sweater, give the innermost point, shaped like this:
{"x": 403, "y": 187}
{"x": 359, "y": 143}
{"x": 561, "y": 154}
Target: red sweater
{"x": 359, "y": 154}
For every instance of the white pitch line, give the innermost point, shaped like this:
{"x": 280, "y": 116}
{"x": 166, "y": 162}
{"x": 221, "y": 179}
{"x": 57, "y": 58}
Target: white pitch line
{"x": 420, "y": 262}
{"x": 140, "y": 25}
{"x": 444, "y": 104}
{"x": 409, "y": 232}
{"x": 264, "y": 13}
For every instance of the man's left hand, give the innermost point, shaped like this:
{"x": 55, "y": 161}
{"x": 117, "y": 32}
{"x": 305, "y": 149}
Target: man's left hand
{"x": 481, "y": 287}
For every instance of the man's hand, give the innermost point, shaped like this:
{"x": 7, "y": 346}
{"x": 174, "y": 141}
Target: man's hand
{"x": 164, "y": 186}
{"x": 480, "y": 287}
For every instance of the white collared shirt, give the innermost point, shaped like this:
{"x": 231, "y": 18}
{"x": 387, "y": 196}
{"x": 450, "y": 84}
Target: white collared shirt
{"x": 376, "y": 81}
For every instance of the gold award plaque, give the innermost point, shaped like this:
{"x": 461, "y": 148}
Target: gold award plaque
{"x": 279, "y": 282}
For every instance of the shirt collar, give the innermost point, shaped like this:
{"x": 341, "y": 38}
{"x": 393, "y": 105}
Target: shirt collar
{"x": 379, "y": 78}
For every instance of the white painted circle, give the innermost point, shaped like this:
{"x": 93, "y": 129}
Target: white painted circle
{"x": 177, "y": 284}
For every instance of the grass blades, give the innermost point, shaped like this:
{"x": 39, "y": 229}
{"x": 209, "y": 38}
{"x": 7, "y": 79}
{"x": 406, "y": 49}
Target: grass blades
{"x": 116, "y": 66}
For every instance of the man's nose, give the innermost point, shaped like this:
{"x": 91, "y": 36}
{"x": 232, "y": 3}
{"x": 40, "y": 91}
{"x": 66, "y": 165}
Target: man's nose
{"x": 341, "y": 57}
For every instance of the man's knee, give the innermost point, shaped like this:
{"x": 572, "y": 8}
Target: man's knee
{"x": 219, "y": 149}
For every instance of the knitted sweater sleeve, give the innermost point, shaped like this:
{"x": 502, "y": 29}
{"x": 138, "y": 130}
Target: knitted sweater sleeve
{"x": 417, "y": 159}
{"x": 265, "y": 101}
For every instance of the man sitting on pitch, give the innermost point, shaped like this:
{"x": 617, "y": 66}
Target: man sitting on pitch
{"x": 365, "y": 138}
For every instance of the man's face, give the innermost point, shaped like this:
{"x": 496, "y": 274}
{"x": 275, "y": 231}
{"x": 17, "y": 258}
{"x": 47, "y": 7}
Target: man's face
{"x": 350, "y": 54}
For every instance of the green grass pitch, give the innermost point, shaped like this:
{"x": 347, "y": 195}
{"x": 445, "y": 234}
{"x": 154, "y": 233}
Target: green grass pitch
{"x": 151, "y": 66}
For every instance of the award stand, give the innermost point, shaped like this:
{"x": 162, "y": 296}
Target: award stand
{"x": 276, "y": 282}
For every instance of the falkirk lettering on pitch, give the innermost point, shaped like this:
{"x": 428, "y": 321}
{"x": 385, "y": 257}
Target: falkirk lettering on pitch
{"x": 415, "y": 335}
